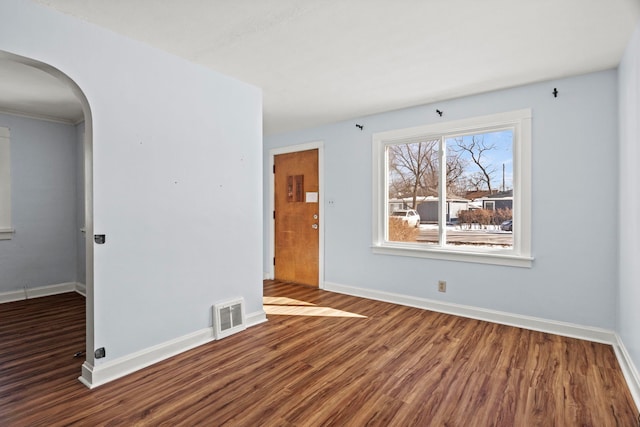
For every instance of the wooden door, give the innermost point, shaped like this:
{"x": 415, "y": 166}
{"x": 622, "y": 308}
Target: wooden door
{"x": 297, "y": 217}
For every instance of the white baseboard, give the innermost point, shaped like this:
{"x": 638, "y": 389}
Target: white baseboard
{"x": 97, "y": 375}
{"x": 41, "y": 291}
{"x": 81, "y": 288}
{"x": 533, "y": 323}
{"x": 256, "y": 318}
{"x": 267, "y": 276}
{"x": 628, "y": 368}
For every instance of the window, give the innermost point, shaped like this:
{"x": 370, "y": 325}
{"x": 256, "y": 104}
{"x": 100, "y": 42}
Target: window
{"x": 6, "y": 231}
{"x": 468, "y": 180}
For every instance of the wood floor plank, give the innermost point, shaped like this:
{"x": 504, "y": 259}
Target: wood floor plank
{"x": 316, "y": 365}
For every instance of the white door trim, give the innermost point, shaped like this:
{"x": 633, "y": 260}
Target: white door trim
{"x": 319, "y": 145}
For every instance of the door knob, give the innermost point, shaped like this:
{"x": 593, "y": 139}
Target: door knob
{"x": 314, "y": 226}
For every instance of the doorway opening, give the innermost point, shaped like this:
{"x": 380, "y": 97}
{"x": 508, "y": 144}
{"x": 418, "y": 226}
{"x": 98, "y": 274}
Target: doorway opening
{"x": 85, "y": 177}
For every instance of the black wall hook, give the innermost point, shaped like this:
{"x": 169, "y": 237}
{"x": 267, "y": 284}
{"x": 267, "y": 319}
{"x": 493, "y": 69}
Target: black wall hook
{"x": 555, "y": 92}
{"x": 439, "y": 112}
{"x": 360, "y": 126}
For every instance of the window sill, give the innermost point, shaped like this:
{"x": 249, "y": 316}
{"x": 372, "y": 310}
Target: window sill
{"x": 510, "y": 260}
{"x": 6, "y": 233}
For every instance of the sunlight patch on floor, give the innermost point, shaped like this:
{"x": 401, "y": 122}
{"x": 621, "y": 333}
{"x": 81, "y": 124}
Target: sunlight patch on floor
{"x": 283, "y": 301}
{"x": 290, "y": 307}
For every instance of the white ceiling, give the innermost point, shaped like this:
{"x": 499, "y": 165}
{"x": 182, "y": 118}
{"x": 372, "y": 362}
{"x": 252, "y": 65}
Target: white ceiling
{"x": 320, "y": 61}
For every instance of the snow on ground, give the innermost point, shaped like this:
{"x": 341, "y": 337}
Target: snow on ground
{"x": 476, "y": 228}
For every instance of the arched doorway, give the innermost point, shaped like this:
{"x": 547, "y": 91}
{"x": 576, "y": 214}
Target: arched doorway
{"x": 86, "y": 165}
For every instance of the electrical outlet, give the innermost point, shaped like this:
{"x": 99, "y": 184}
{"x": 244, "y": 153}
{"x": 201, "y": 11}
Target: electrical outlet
{"x": 442, "y": 286}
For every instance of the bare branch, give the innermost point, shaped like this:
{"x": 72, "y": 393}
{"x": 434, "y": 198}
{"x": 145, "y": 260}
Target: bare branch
{"x": 477, "y": 150}
{"x": 410, "y": 165}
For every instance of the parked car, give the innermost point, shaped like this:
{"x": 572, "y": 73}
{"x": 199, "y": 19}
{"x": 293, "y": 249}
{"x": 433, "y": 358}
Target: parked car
{"x": 410, "y": 216}
{"x": 507, "y": 225}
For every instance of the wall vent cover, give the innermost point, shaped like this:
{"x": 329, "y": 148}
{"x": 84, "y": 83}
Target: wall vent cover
{"x": 228, "y": 318}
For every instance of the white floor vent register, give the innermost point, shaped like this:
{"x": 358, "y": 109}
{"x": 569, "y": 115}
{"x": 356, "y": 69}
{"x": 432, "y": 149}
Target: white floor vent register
{"x": 228, "y": 318}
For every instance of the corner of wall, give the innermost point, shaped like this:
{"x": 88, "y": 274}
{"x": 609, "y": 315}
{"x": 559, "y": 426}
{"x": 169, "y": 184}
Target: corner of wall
{"x": 629, "y": 369}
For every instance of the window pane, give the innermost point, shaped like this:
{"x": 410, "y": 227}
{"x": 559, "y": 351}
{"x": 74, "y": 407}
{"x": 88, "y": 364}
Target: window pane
{"x": 413, "y": 185}
{"x": 480, "y": 189}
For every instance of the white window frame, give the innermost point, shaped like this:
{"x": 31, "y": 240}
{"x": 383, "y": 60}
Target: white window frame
{"x": 6, "y": 231}
{"x": 517, "y": 256}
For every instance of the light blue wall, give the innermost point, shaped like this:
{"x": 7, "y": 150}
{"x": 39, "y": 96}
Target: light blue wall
{"x": 175, "y": 145}
{"x": 575, "y": 159}
{"x": 42, "y": 251}
{"x": 81, "y": 268}
{"x": 629, "y": 210}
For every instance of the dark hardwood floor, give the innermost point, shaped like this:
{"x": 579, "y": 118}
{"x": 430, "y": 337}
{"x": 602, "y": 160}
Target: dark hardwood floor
{"x": 326, "y": 359}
